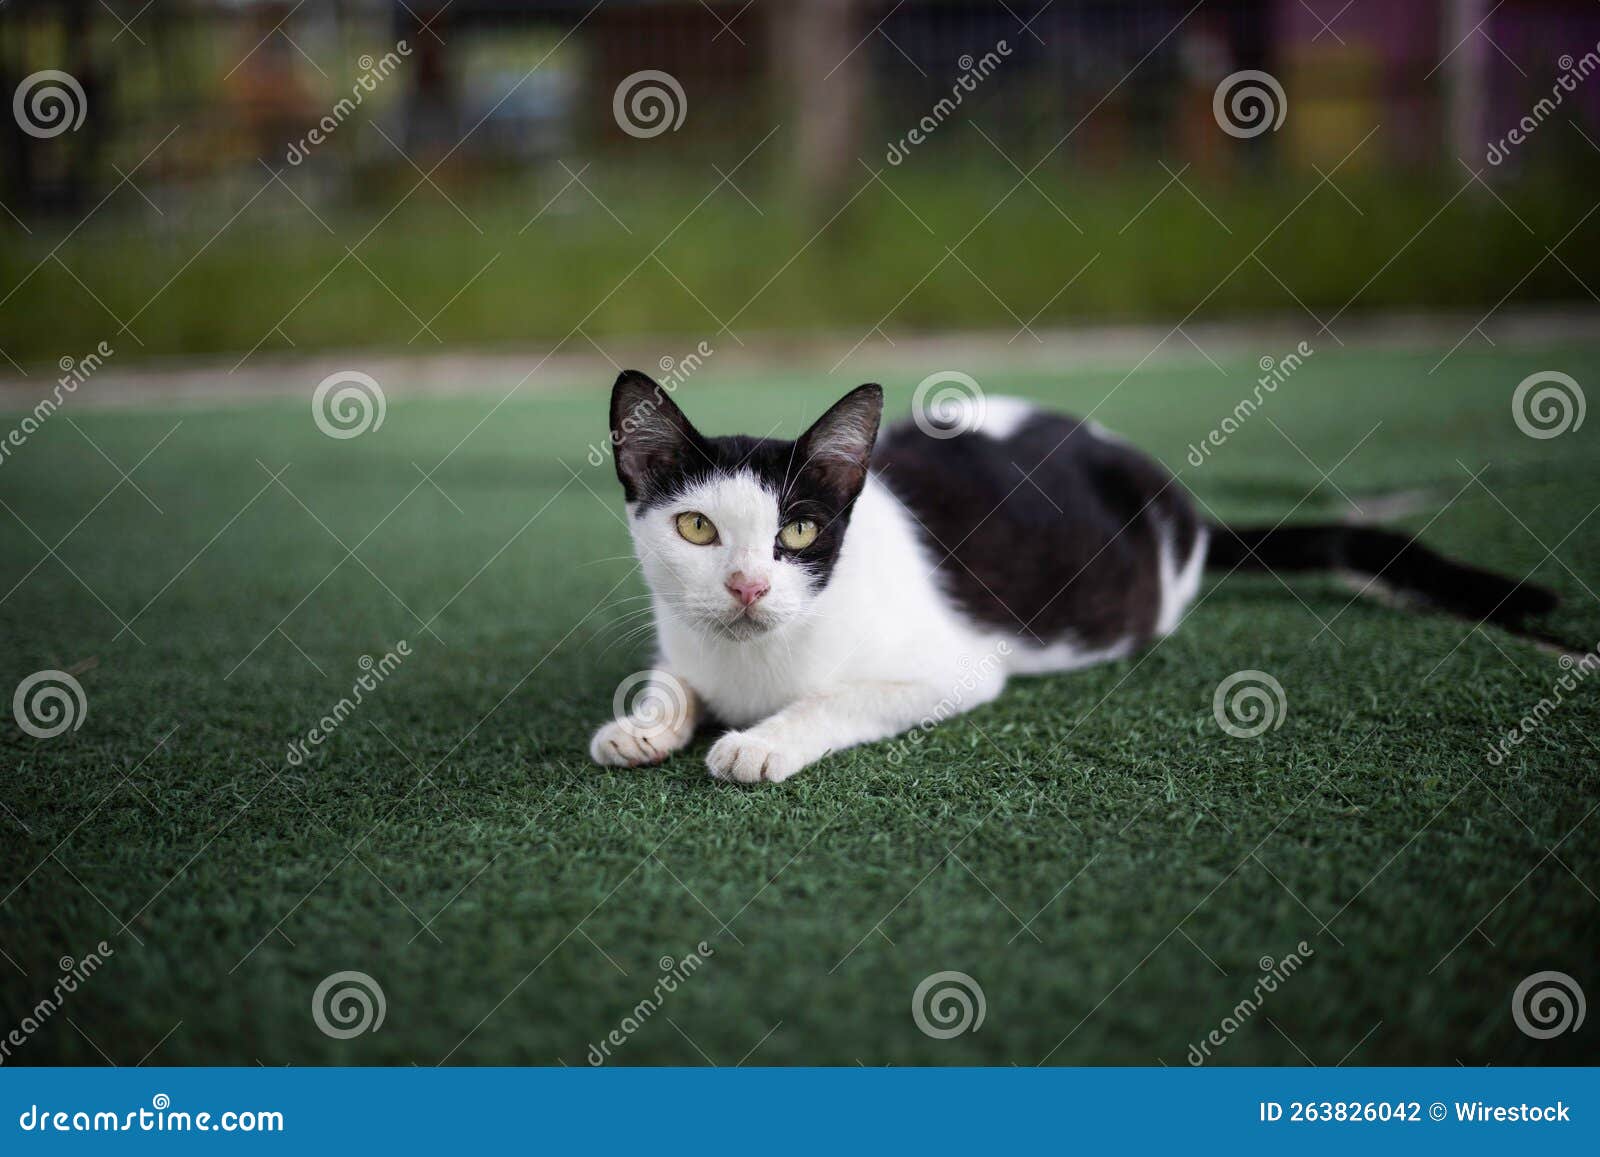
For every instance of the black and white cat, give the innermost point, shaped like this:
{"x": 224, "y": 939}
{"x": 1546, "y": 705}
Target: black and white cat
{"x": 835, "y": 590}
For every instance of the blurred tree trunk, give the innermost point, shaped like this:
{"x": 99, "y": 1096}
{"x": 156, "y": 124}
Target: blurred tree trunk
{"x": 824, "y": 74}
{"x": 1467, "y": 73}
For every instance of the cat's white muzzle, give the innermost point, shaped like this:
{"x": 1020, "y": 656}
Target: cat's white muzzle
{"x": 747, "y": 623}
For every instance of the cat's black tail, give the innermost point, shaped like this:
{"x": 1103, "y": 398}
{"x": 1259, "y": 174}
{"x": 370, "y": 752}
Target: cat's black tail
{"x": 1394, "y": 563}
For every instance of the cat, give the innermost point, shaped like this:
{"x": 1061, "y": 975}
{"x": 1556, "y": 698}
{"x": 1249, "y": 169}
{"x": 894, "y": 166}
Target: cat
{"x": 845, "y": 587}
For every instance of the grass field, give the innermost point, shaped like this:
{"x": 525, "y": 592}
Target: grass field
{"x": 1119, "y": 247}
{"x": 1092, "y": 850}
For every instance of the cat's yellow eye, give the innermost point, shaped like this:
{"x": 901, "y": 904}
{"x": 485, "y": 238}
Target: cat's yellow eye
{"x": 697, "y": 528}
{"x": 799, "y": 534}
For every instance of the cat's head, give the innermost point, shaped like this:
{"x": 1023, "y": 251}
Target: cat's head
{"x": 737, "y": 536}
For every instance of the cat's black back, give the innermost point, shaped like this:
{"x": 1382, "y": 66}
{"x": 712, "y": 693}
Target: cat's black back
{"x": 1052, "y": 532}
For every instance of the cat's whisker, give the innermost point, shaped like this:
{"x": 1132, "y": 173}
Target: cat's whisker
{"x": 622, "y": 605}
{"x": 621, "y": 628}
{"x": 612, "y": 622}
{"x": 628, "y": 638}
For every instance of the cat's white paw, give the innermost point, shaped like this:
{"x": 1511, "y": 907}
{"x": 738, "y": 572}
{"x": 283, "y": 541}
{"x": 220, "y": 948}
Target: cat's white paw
{"x": 632, "y": 743}
{"x": 746, "y": 757}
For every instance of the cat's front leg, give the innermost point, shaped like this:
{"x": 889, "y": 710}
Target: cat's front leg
{"x": 660, "y": 717}
{"x": 810, "y": 728}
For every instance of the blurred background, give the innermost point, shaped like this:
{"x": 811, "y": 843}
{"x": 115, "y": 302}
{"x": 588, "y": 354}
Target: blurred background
{"x": 258, "y": 178}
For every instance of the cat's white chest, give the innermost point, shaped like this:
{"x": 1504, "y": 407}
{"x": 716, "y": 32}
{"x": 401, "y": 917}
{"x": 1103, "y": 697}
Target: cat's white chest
{"x": 744, "y": 682}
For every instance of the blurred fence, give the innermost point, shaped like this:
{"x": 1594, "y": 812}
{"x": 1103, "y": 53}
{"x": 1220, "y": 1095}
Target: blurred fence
{"x": 493, "y": 85}
{"x": 233, "y": 175}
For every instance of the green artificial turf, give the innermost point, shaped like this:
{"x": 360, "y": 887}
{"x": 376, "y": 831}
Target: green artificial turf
{"x": 1105, "y": 863}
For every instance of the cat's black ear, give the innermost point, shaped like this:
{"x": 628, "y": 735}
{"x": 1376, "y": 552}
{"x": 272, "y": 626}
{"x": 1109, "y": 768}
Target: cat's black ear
{"x": 838, "y": 448}
{"x": 651, "y": 436}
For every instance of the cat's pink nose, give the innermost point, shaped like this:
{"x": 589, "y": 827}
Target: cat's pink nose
{"x": 746, "y": 589}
